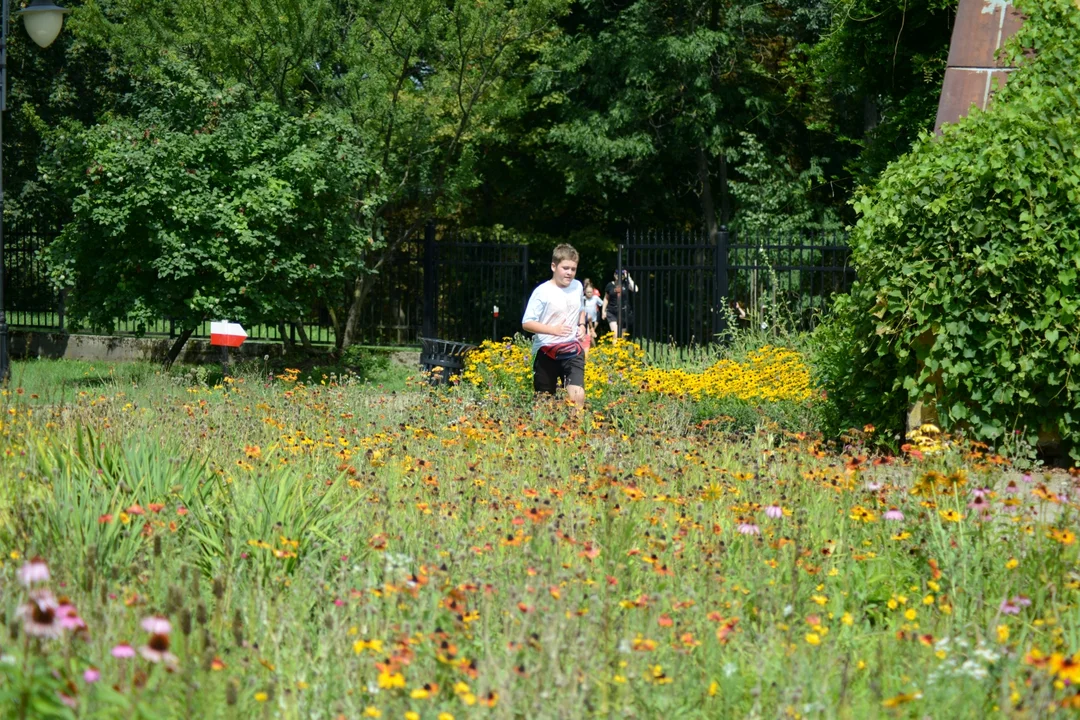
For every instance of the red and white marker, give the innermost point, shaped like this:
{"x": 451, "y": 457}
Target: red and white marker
{"x": 227, "y": 334}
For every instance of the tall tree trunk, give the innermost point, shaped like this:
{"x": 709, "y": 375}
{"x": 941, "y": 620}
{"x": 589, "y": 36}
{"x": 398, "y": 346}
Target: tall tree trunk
{"x": 177, "y": 346}
{"x": 305, "y": 341}
{"x": 361, "y": 289}
{"x": 285, "y": 339}
{"x": 353, "y": 316}
{"x": 338, "y": 331}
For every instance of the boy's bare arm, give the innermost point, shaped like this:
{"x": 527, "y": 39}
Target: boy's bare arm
{"x": 534, "y": 326}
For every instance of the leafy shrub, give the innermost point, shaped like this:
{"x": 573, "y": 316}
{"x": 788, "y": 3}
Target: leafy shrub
{"x": 968, "y": 252}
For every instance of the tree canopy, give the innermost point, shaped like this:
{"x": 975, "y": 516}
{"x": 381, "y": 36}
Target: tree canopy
{"x": 549, "y": 118}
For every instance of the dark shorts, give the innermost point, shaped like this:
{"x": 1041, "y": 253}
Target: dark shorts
{"x": 547, "y": 372}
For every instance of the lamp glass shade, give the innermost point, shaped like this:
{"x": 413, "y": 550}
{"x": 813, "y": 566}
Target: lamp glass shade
{"x": 44, "y": 25}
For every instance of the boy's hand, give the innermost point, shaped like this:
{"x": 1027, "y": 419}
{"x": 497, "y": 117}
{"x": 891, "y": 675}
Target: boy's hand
{"x": 565, "y": 330}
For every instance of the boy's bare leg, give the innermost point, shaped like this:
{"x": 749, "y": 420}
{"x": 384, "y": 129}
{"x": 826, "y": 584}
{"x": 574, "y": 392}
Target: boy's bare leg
{"x": 576, "y": 394}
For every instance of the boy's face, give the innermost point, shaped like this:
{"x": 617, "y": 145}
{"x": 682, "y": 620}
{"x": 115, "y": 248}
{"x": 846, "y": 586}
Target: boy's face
{"x": 563, "y": 273}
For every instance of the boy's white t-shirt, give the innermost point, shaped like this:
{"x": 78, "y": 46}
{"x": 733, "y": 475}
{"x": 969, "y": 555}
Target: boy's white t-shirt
{"x": 553, "y": 305}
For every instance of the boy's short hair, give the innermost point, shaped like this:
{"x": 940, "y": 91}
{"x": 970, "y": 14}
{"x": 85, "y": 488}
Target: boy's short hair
{"x": 563, "y": 252}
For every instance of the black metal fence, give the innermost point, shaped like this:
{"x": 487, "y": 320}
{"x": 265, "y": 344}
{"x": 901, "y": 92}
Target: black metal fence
{"x": 692, "y": 287}
{"x": 30, "y": 299}
{"x": 465, "y": 280}
{"x": 439, "y": 284}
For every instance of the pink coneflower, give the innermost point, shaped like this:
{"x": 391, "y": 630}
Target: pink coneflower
{"x": 156, "y": 650}
{"x": 872, "y": 486}
{"x": 893, "y": 514}
{"x": 774, "y": 511}
{"x": 1008, "y": 607}
{"x": 34, "y": 571}
{"x": 748, "y": 529}
{"x": 91, "y": 675}
{"x": 1026, "y": 477}
{"x": 980, "y": 492}
{"x": 979, "y": 503}
{"x": 39, "y": 615}
{"x": 156, "y": 625}
{"x": 69, "y": 618}
{"x": 123, "y": 651}
{"x": 1012, "y": 488}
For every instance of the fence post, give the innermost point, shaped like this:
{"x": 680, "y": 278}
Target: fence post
{"x": 431, "y": 285}
{"x": 720, "y": 257}
{"x": 623, "y": 296}
{"x": 60, "y": 298}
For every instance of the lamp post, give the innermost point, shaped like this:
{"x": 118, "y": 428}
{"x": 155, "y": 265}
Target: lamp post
{"x": 43, "y": 20}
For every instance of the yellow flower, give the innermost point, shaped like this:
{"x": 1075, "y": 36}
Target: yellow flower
{"x": 388, "y": 681}
{"x": 1011, "y": 563}
{"x": 412, "y": 715}
{"x": 261, "y": 697}
{"x": 372, "y": 712}
{"x": 901, "y": 699}
{"x": 1065, "y": 537}
{"x": 813, "y": 638}
{"x": 950, "y": 515}
{"x": 714, "y": 688}
{"x": 374, "y": 646}
{"x": 1003, "y": 633}
{"x": 445, "y": 716}
{"x": 910, "y": 614}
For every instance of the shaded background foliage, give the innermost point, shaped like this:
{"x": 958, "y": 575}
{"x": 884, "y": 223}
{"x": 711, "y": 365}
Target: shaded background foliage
{"x": 545, "y": 120}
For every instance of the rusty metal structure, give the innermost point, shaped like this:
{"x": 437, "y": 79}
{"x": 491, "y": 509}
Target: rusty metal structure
{"x": 974, "y": 71}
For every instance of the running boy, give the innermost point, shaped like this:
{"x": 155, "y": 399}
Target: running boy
{"x": 556, "y": 317}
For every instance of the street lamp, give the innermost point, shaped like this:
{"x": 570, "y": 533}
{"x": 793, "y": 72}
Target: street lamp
{"x": 43, "y": 20}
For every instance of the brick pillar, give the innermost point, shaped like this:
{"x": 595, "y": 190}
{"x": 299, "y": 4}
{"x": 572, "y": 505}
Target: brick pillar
{"x": 972, "y": 72}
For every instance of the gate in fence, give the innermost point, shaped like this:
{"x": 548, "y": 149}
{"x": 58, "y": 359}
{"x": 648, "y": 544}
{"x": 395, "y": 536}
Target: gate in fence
{"x": 691, "y": 286}
{"x": 442, "y": 285}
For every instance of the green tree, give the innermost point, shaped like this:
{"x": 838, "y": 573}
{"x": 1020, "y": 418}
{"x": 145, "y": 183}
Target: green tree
{"x": 217, "y": 207}
{"x": 652, "y": 109}
{"x": 872, "y": 80}
{"x": 420, "y": 83}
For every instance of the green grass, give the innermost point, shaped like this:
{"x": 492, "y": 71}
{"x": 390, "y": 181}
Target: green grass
{"x": 332, "y": 549}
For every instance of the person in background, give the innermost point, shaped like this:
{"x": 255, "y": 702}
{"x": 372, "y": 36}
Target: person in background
{"x": 556, "y": 317}
{"x": 592, "y": 311}
{"x": 616, "y": 298}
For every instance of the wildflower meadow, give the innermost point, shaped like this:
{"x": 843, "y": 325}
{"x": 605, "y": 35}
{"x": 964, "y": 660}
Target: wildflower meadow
{"x": 282, "y": 544}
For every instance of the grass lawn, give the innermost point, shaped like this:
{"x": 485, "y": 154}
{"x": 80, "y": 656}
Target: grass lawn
{"x": 275, "y": 547}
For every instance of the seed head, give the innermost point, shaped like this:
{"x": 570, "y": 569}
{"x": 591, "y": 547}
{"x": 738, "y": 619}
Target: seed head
{"x": 232, "y": 691}
{"x": 238, "y": 628}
